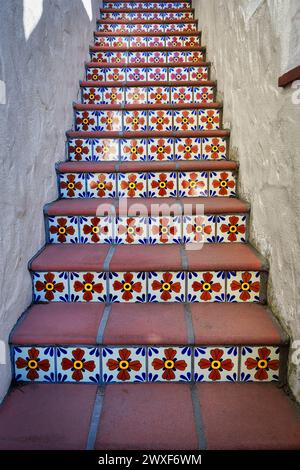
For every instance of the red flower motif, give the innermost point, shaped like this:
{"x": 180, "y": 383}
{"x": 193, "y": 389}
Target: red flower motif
{"x": 193, "y": 184}
{"x": 88, "y": 286}
{"x": 94, "y": 75}
{"x": 107, "y": 150}
{"x": 198, "y": 229}
{"x": 62, "y": 229}
{"x": 206, "y": 286}
{"x": 160, "y": 120}
{"x": 116, "y": 75}
{"x": 195, "y": 57}
{"x": 169, "y": 363}
{"x": 131, "y": 230}
{"x": 49, "y": 286}
{"x": 162, "y": 184}
{"x": 79, "y": 149}
{"x": 185, "y": 120}
{"x": 166, "y": 286}
{"x": 215, "y": 148}
{"x": 102, "y": 185}
{"x": 245, "y": 286}
{"x": 85, "y": 121}
{"x": 131, "y": 186}
{"x": 91, "y": 96}
{"x": 118, "y": 58}
{"x": 205, "y": 96}
{"x": 187, "y": 148}
{"x": 156, "y": 42}
{"x": 263, "y": 363}
{"x": 216, "y": 364}
{"x": 70, "y": 185}
{"x": 210, "y": 119}
{"x": 127, "y": 286}
{"x": 157, "y": 75}
{"x": 77, "y": 364}
{"x": 200, "y": 74}
{"x": 124, "y": 364}
{"x": 135, "y": 120}
{"x": 174, "y": 42}
{"x": 136, "y": 97}
{"x": 110, "y": 121}
{"x": 178, "y": 74}
{"x": 156, "y": 58}
{"x": 119, "y": 43}
{"x": 175, "y": 57}
{"x": 158, "y": 95}
{"x": 113, "y": 96}
{"x": 233, "y": 228}
{"x": 223, "y": 183}
{"x": 33, "y": 364}
{"x": 164, "y": 229}
{"x": 94, "y": 229}
{"x": 134, "y": 149}
{"x": 161, "y": 149}
{"x": 182, "y": 96}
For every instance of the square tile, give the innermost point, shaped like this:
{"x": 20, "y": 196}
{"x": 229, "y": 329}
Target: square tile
{"x": 205, "y": 286}
{"x": 102, "y": 185}
{"x": 214, "y": 148}
{"x": 115, "y": 57}
{"x": 170, "y": 364}
{"x": 187, "y": 148}
{"x": 119, "y": 41}
{"x": 174, "y": 41}
{"x": 78, "y": 364}
{"x": 178, "y": 74}
{"x": 156, "y": 41}
{"x": 212, "y": 364}
{"x": 131, "y": 230}
{"x": 137, "y": 57}
{"x": 123, "y": 364}
{"x": 132, "y": 184}
{"x": 127, "y": 287}
{"x": 165, "y": 229}
{"x": 100, "y": 57}
{"x": 157, "y": 57}
{"x": 194, "y": 56}
{"x": 209, "y": 119}
{"x": 190, "y": 41}
{"x": 260, "y": 363}
{"x": 63, "y": 229}
{"x": 85, "y": 121}
{"x": 161, "y": 149}
{"x": 158, "y": 74}
{"x": 198, "y": 228}
{"x": 198, "y": 74}
{"x": 231, "y": 228}
{"x": 87, "y": 287}
{"x": 160, "y": 120}
{"x": 244, "y": 286}
{"x": 106, "y": 149}
{"x": 138, "y": 41}
{"x": 133, "y": 149}
{"x": 79, "y": 149}
{"x": 136, "y": 95}
{"x": 136, "y": 74}
{"x": 116, "y": 74}
{"x": 110, "y": 121}
{"x": 222, "y": 183}
{"x": 158, "y": 95}
{"x": 95, "y": 74}
{"x": 204, "y": 94}
{"x": 162, "y": 184}
{"x": 91, "y": 95}
{"x": 176, "y": 56}
{"x": 166, "y": 286}
{"x": 135, "y": 121}
{"x": 113, "y": 95}
{"x": 34, "y": 364}
{"x": 182, "y": 95}
{"x": 193, "y": 184}
{"x": 96, "y": 229}
{"x": 185, "y": 120}
{"x": 51, "y": 286}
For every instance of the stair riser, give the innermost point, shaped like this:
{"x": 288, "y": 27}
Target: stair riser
{"x": 141, "y": 287}
{"x": 145, "y": 5}
{"x": 148, "y": 121}
{"x": 59, "y": 361}
{"x": 154, "y": 57}
{"x": 147, "y": 27}
{"x": 147, "y": 16}
{"x": 181, "y": 148}
{"x": 157, "y": 73}
{"x": 142, "y": 185}
{"x": 147, "y": 41}
{"x": 147, "y": 230}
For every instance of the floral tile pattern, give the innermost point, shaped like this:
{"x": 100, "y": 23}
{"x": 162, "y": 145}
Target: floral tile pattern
{"x": 192, "y": 184}
{"x": 105, "y": 149}
{"x": 132, "y": 184}
{"x": 216, "y": 364}
{"x": 205, "y": 286}
{"x": 161, "y": 149}
{"x": 231, "y": 228}
{"x": 187, "y": 148}
{"x": 87, "y": 287}
{"x": 34, "y": 364}
{"x": 222, "y": 183}
{"x": 166, "y": 287}
{"x": 165, "y": 230}
{"x": 49, "y": 286}
{"x": 131, "y": 230}
{"x": 198, "y": 229}
{"x": 81, "y": 364}
{"x": 96, "y": 229}
{"x": 135, "y": 121}
{"x": 126, "y": 364}
{"x": 244, "y": 286}
{"x": 209, "y": 119}
{"x": 127, "y": 287}
{"x": 71, "y": 185}
{"x": 134, "y": 149}
{"x": 260, "y": 364}
{"x": 185, "y": 120}
{"x": 160, "y": 120}
{"x": 214, "y": 148}
{"x": 170, "y": 364}
{"x": 102, "y": 185}
{"x": 63, "y": 230}
{"x": 162, "y": 184}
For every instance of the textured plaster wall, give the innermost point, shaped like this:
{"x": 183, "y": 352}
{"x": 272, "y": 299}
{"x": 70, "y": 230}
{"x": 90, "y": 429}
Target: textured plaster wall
{"x": 247, "y": 43}
{"x": 42, "y": 53}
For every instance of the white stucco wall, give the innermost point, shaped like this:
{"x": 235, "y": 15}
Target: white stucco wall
{"x": 43, "y": 46}
{"x": 247, "y": 43}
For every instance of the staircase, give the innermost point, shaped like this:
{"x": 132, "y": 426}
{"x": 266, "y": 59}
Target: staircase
{"x": 147, "y": 276}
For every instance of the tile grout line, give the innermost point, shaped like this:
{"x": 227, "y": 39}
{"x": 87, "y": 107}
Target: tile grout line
{"x": 198, "y": 418}
{"x": 103, "y": 322}
{"x": 189, "y": 324}
{"x": 95, "y": 418}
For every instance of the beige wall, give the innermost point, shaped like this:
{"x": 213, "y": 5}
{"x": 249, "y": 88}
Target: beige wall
{"x": 42, "y": 53}
{"x": 247, "y": 44}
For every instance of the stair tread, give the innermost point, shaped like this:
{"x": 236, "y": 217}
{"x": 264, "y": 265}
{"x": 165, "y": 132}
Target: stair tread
{"x": 212, "y": 257}
{"x": 147, "y": 83}
{"x": 147, "y": 65}
{"x": 146, "y": 324}
{"x": 145, "y": 48}
{"x": 133, "y": 135}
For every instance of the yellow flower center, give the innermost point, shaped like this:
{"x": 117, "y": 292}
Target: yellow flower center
{"x": 109, "y": 120}
{"x": 187, "y": 148}
{"x": 209, "y": 119}
{"x": 262, "y": 364}
{"x": 105, "y": 149}
{"x": 131, "y": 185}
{"x": 127, "y": 286}
{"x": 160, "y": 149}
{"x": 123, "y": 365}
{"x": 169, "y": 364}
{"x": 233, "y": 228}
{"x": 223, "y": 184}
{"x": 164, "y": 230}
{"x": 116, "y": 76}
{"x": 185, "y": 120}
{"x": 101, "y": 185}
{"x": 215, "y": 364}
{"x": 91, "y": 96}
{"x": 32, "y": 364}
{"x": 199, "y": 75}
{"x": 113, "y": 96}
{"x": 204, "y": 96}
{"x": 160, "y": 120}
{"x": 206, "y": 286}
{"x": 78, "y": 150}
{"x": 95, "y": 77}
{"x": 135, "y": 120}
{"x": 162, "y": 184}
{"x": 245, "y": 286}
{"x": 71, "y": 185}
{"x": 133, "y": 149}
{"x": 199, "y": 229}
{"x": 215, "y": 148}
{"x": 120, "y": 44}
{"x": 88, "y": 287}
{"x": 193, "y": 184}
{"x": 62, "y": 230}
{"x": 95, "y": 229}
{"x": 182, "y": 96}
{"x": 166, "y": 286}
{"x": 130, "y": 230}
{"x": 195, "y": 59}
{"x": 136, "y": 96}
{"x": 49, "y": 286}
{"x": 158, "y": 96}
{"x": 78, "y": 365}
{"x": 118, "y": 59}
{"x": 85, "y": 121}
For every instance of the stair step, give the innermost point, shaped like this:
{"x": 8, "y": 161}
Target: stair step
{"x": 145, "y": 5}
{"x": 134, "y": 26}
{"x": 148, "y": 41}
{"x": 147, "y": 15}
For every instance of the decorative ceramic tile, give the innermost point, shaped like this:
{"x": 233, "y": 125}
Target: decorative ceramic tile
{"x": 135, "y": 120}
{"x": 198, "y": 74}
{"x": 96, "y": 229}
{"x": 123, "y": 364}
{"x": 198, "y": 228}
{"x": 185, "y": 120}
{"x": 138, "y": 41}
{"x": 136, "y": 74}
{"x": 178, "y": 74}
{"x": 204, "y": 94}
{"x": 119, "y": 41}
{"x": 134, "y": 149}
{"x": 131, "y": 230}
{"x": 176, "y": 56}
{"x": 162, "y": 184}
{"x": 102, "y": 185}
{"x": 110, "y": 120}
{"x": 243, "y": 286}
{"x": 194, "y": 57}
{"x": 95, "y": 74}
{"x": 156, "y": 41}
{"x": 166, "y": 287}
{"x": 136, "y": 95}
{"x": 157, "y": 74}
{"x": 213, "y": 364}
{"x": 116, "y": 74}
{"x": 78, "y": 149}
{"x": 91, "y": 96}
{"x": 132, "y": 185}
{"x": 193, "y": 184}
{"x": 87, "y": 287}
{"x": 260, "y": 363}
{"x": 170, "y": 364}
{"x": 116, "y": 57}
{"x": 160, "y": 120}
{"x": 78, "y": 364}
{"x": 182, "y": 95}
{"x": 158, "y": 57}
{"x": 174, "y": 41}
{"x": 158, "y": 95}
{"x": 231, "y": 228}
{"x": 85, "y": 121}
{"x": 127, "y": 287}
{"x": 205, "y": 286}
{"x": 187, "y": 148}
{"x": 209, "y": 119}
{"x": 63, "y": 229}
{"x": 161, "y": 149}
{"x": 34, "y": 364}
{"x": 106, "y": 149}
{"x": 113, "y": 95}
{"x": 165, "y": 230}
{"x": 137, "y": 57}
{"x": 190, "y": 41}
{"x": 214, "y": 148}
{"x": 221, "y": 183}
{"x": 50, "y": 286}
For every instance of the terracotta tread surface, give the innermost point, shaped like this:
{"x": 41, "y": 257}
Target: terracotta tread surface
{"x": 167, "y": 21}
{"x": 95, "y": 107}
{"x": 58, "y": 416}
{"x": 128, "y": 83}
{"x": 132, "y": 135}
{"x": 147, "y": 206}
{"x": 147, "y": 33}
{"x": 142, "y": 324}
{"x": 147, "y": 65}
{"x": 145, "y": 48}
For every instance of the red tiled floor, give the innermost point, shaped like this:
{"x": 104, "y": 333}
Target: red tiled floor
{"x": 60, "y": 322}
{"x": 47, "y": 416}
{"x": 146, "y": 258}
{"x": 146, "y": 324}
{"x": 248, "y": 416}
{"x": 147, "y": 416}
